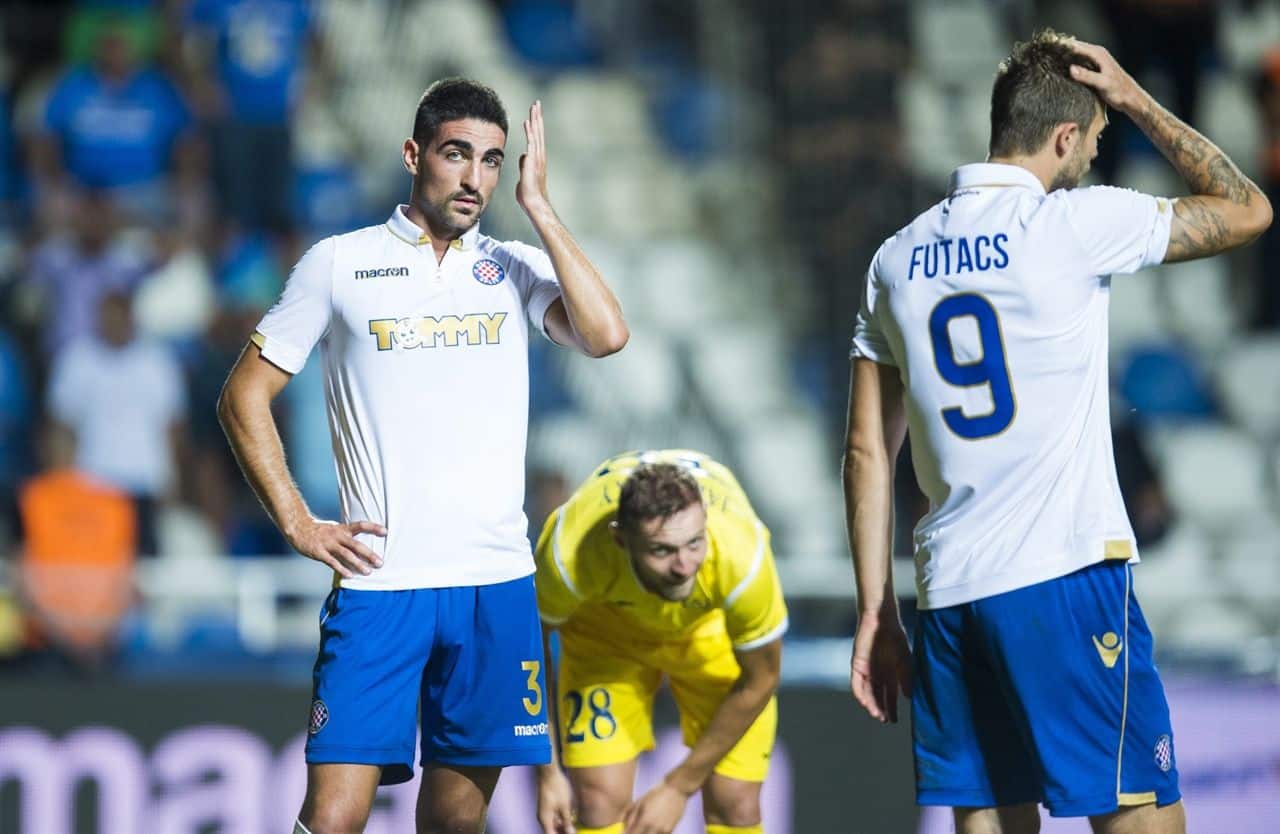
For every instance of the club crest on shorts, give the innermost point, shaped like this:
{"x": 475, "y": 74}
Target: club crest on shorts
{"x": 319, "y": 717}
{"x": 1164, "y": 753}
{"x": 488, "y": 271}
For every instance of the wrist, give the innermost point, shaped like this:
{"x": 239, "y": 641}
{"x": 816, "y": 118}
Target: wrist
{"x": 685, "y": 784}
{"x": 885, "y": 611}
{"x": 292, "y": 526}
{"x": 1135, "y": 103}
{"x": 540, "y": 211}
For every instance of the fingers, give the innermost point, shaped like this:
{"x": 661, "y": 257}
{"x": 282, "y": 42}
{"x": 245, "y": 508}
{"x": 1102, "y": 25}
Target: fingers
{"x": 555, "y": 821}
{"x": 352, "y": 560}
{"x": 336, "y": 546}
{"x": 539, "y": 131}
{"x": 1087, "y": 76}
{"x": 889, "y": 699}
{"x": 362, "y": 551}
{"x": 338, "y": 568}
{"x": 366, "y": 527}
{"x": 863, "y": 694}
{"x": 534, "y": 132}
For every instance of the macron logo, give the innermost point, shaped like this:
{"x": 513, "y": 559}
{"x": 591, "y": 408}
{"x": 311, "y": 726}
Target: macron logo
{"x": 381, "y": 273}
{"x": 529, "y": 729}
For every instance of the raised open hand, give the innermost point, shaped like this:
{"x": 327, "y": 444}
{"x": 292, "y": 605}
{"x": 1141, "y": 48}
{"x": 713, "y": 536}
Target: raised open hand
{"x": 531, "y": 190}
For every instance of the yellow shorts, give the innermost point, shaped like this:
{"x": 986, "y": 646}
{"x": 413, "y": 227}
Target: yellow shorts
{"x": 606, "y": 693}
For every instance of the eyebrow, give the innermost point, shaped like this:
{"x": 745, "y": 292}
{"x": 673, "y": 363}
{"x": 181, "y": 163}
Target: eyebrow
{"x": 464, "y": 145}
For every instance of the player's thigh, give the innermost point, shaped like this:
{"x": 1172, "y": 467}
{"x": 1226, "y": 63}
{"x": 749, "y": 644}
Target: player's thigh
{"x": 605, "y": 704}
{"x": 731, "y": 802}
{"x": 364, "y": 710}
{"x": 1005, "y": 819}
{"x": 453, "y": 799}
{"x": 484, "y": 689}
{"x": 1075, "y": 657}
{"x": 967, "y": 744}
{"x": 700, "y": 683}
{"x": 602, "y": 793}
{"x": 339, "y": 797}
{"x": 1145, "y": 819}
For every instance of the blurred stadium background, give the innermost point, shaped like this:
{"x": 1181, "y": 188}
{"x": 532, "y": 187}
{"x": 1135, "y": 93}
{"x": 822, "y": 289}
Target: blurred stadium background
{"x": 730, "y": 167}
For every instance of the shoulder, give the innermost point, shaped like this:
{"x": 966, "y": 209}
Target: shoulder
{"x": 355, "y": 241}
{"x": 1095, "y": 198}
{"x": 898, "y": 245}
{"x": 740, "y": 541}
{"x": 581, "y": 544}
{"x": 509, "y": 253}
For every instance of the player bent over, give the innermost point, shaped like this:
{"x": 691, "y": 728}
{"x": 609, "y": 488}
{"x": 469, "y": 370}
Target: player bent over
{"x": 658, "y": 566}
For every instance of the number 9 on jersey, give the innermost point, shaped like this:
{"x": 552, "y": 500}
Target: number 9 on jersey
{"x": 990, "y": 369}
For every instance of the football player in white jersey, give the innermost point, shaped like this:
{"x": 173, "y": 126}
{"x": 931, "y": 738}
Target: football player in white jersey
{"x": 983, "y": 332}
{"x": 424, "y": 323}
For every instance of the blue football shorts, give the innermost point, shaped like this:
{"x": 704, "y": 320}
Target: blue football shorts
{"x": 1045, "y": 694}
{"x": 468, "y": 658}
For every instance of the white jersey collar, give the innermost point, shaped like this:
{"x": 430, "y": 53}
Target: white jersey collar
{"x": 402, "y": 227}
{"x": 994, "y": 175}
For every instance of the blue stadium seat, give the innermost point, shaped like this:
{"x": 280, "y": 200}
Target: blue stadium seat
{"x": 1161, "y": 382}
{"x": 548, "y": 34}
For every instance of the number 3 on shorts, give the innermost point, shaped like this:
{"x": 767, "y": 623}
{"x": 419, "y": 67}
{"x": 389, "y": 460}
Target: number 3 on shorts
{"x": 533, "y": 706}
{"x": 602, "y": 724}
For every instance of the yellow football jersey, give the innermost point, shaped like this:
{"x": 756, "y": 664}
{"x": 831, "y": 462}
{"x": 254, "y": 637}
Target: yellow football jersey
{"x": 586, "y": 583}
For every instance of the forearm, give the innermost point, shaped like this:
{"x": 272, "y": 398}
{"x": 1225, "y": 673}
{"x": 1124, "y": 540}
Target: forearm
{"x": 251, "y": 431}
{"x": 744, "y": 703}
{"x": 868, "y": 496}
{"x": 594, "y": 313}
{"x": 1202, "y": 165}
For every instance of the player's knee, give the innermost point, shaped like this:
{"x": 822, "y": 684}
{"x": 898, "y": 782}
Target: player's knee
{"x": 599, "y": 805}
{"x": 1006, "y": 819}
{"x": 334, "y": 820}
{"x": 451, "y": 821}
{"x": 734, "y": 809}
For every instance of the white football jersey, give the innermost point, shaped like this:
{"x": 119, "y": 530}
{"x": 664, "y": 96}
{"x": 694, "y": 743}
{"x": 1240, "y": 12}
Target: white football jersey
{"x": 427, "y": 386}
{"x": 993, "y": 306}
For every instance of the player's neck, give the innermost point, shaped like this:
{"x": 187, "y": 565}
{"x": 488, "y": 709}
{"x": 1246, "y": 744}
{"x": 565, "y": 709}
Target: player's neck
{"x": 1043, "y": 168}
{"x": 440, "y": 241}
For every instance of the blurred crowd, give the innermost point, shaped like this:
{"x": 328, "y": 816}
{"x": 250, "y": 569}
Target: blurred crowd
{"x": 149, "y": 217}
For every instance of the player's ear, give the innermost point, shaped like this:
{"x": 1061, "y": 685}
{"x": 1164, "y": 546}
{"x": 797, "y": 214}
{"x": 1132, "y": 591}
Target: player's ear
{"x": 1065, "y": 138}
{"x": 410, "y": 153}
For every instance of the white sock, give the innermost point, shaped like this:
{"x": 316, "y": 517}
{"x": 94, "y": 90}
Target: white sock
{"x": 299, "y": 828}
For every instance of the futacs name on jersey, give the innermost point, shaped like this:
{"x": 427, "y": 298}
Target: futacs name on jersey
{"x": 953, "y": 256}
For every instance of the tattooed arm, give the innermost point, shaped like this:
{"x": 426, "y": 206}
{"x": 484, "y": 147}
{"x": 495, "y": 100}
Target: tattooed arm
{"x": 1227, "y": 209}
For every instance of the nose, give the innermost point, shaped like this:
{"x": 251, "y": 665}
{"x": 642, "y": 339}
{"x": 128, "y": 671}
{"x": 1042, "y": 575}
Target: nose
{"x": 683, "y": 567}
{"x": 471, "y": 175}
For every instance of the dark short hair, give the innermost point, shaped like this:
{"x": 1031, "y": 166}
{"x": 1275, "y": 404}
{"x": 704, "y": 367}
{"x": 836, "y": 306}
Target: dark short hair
{"x": 655, "y": 490}
{"x": 450, "y": 99}
{"x": 1034, "y": 93}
